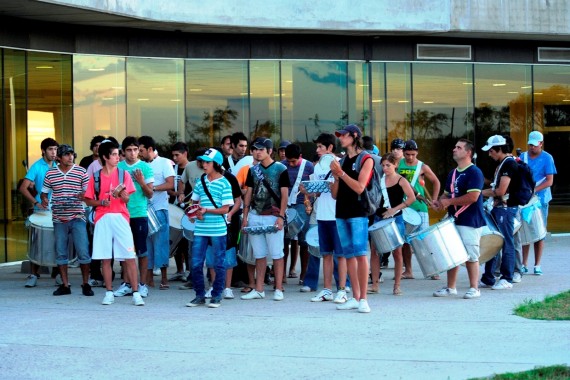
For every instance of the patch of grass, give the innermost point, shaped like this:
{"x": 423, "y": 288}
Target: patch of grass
{"x": 556, "y": 372}
{"x": 553, "y": 308}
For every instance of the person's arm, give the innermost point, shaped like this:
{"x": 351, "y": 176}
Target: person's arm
{"x": 141, "y": 180}
{"x": 246, "y": 206}
{"x": 501, "y": 190}
{"x": 167, "y": 185}
{"x": 410, "y": 198}
{"x": 549, "y": 181}
{"x": 427, "y": 172}
{"x": 359, "y": 185}
{"x": 282, "y": 207}
{"x": 25, "y": 190}
{"x": 464, "y": 200}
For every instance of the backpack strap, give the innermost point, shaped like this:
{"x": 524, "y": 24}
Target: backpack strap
{"x": 363, "y": 156}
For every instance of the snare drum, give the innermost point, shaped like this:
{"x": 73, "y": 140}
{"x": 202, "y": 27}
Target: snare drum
{"x": 41, "y": 240}
{"x": 533, "y": 228}
{"x": 154, "y": 224}
{"x": 385, "y": 235}
{"x": 175, "y": 215}
{"x": 245, "y": 252}
{"x": 295, "y": 223}
{"x": 188, "y": 228}
{"x": 412, "y": 220}
{"x": 312, "y": 238}
{"x": 438, "y": 248}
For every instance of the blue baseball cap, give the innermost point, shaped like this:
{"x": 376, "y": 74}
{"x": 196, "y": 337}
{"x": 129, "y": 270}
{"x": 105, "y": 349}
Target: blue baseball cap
{"x": 351, "y": 128}
{"x": 212, "y": 155}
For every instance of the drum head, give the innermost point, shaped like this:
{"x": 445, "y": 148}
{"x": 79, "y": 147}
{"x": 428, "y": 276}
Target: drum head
{"x": 312, "y": 236}
{"x": 411, "y": 216}
{"x": 291, "y": 214}
{"x": 42, "y": 219}
{"x": 490, "y": 244}
{"x": 380, "y": 224}
{"x": 326, "y": 160}
{"x": 186, "y": 224}
{"x": 175, "y": 214}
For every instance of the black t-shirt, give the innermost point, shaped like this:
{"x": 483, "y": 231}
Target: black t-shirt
{"x": 395, "y": 195}
{"x": 277, "y": 178}
{"x": 236, "y": 191}
{"x": 510, "y": 169}
{"x": 347, "y": 203}
{"x": 86, "y": 161}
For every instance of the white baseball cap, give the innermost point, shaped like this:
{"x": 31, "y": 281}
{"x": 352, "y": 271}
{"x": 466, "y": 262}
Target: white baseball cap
{"x": 496, "y": 140}
{"x": 534, "y": 138}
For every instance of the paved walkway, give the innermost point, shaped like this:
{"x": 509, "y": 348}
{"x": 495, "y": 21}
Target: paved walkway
{"x": 415, "y": 336}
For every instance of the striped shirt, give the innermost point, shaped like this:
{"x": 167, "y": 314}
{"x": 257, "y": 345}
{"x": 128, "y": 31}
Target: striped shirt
{"x": 221, "y": 191}
{"x": 65, "y": 187}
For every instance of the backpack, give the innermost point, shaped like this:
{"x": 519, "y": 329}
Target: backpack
{"x": 372, "y": 194}
{"x": 97, "y": 188}
{"x": 526, "y": 189}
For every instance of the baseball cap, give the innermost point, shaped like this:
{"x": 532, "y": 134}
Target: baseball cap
{"x": 262, "y": 142}
{"x": 351, "y": 128}
{"x": 212, "y": 155}
{"x": 495, "y": 140}
{"x": 284, "y": 144}
{"x": 534, "y": 138}
{"x": 397, "y": 144}
{"x": 410, "y": 145}
{"x": 64, "y": 149}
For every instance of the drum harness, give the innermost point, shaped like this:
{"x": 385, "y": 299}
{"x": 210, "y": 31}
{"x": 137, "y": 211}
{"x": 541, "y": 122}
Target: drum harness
{"x": 464, "y": 207}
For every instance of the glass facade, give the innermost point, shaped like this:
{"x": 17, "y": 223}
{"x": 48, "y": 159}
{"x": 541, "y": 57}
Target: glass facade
{"x": 74, "y": 97}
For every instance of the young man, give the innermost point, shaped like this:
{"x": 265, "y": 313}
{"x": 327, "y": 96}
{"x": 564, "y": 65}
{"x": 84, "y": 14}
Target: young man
{"x": 213, "y": 192}
{"x": 543, "y": 170}
{"x": 226, "y": 146}
{"x": 281, "y": 150}
{"x": 94, "y": 147}
{"x": 158, "y": 243}
{"x": 351, "y": 218}
{"x": 505, "y": 208}
{"x": 415, "y": 172}
{"x": 462, "y": 198}
{"x": 67, "y": 184}
{"x": 265, "y": 203}
{"x": 143, "y": 177}
{"x": 113, "y": 237}
{"x": 239, "y": 148}
{"x": 35, "y": 178}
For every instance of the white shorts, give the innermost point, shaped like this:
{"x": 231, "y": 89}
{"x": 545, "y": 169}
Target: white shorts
{"x": 265, "y": 245}
{"x": 113, "y": 238}
{"x": 471, "y": 238}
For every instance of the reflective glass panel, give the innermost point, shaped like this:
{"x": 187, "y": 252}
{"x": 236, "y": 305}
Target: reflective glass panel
{"x": 359, "y": 95}
{"x": 265, "y": 99}
{"x": 378, "y": 115}
{"x": 399, "y": 100}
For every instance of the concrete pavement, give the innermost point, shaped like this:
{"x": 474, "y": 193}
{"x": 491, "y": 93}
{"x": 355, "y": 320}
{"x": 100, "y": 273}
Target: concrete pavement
{"x": 415, "y": 336}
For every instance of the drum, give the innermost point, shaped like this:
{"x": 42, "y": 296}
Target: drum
{"x": 385, "y": 235}
{"x": 41, "y": 240}
{"x": 188, "y": 228}
{"x": 295, "y": 223}
{"x": 491, "y": 239}
{"x": 245, "y": 252}
{"x": 312, "y": 238}
{"x": 175, "y": 215}
{"x": 533, "y": 228}
{"x": 438, "y": 248}
{"x": 261, "y": 230}
{"x": 317, "y": 186}
{"x": 412, "y": 220}
{"x": 154, "y": 224}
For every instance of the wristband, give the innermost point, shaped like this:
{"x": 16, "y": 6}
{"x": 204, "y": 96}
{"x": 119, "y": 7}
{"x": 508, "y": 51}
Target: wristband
{"x": 343, "y": 173}
{"x": 281, "y": 216}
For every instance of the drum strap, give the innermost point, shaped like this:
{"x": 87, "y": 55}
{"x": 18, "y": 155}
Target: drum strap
{"x": 295, "y": 189}
{"x": 255, "y": 169}
{"x": 385, "y": 193}
{"x": 416, "y": 173}
{"x": 464, "y": 207}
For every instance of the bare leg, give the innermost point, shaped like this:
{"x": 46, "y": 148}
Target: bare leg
{"x": 473, "y": 273}
{"x": 107, "y": 274}
{"x": 229, "y": 273}
{"x": 35, "y": 269}
{"x": 304, "y": 253}
{"x": 143, "y": 264}
{"x": 260, "y": 265}
{"x": 342, "y": 272}
{"x": 452, "y": 277}
{"x": 362, "y": 272}
{"x": 351, "y": 267}
{"x": 328, "y": 266}
{"x": 130, "y": 268}
{"x": 374, "y": 268}
{"x": 63, "y": 273}
{"x": 407, "y": 262}
{"x": 538, "y": 247}
{"x": 398, "y": 264}
{"x": 150, "y": 278}
{"x": 251, "y": 275}
{"x": 164, "y": 280}
{"x": 278, "y": 267}
{"x": 525, "y": 252}
{"x": 84, "y": 273}
{"x": 286, "y": 248}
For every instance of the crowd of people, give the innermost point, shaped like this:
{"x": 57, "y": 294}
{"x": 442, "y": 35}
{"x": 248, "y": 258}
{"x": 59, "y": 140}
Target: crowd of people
{"x": 244, "y": 216}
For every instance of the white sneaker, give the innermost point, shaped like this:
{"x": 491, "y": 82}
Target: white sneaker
{"x": 324, "y": 295}
{"x": 472, "y": 293}
{"x": 137, "y": 299}
{"x": 178, "y": 276}
{"x": 58, "y": 280}
{"x": 517, "y": 277}
{"x": 96, "y": 283}
{"x": 143, "y": 290}
{"x": 156, "y": 272}
{"x": 363, "y": 306}
{"x": 124, "y": 290}
{"x": 502, "y": 284}
{"x": 74, "y": 263}
{"x": 209, "y": 293}
{"x": 305, "y": 289}
{"x": 347, "y": 289}
{"x": 278, "y": 295}
{"x": 228, "y": 294}
{"x": 340, "y": 297}
{"x": 483, "y": 285}
{"x": 444, "y": 292}
{"x": 253, "y": 295}
{"x": 31, "y": 281}
{"x": 349, "y": 305}
{"x": 109, "y": 298}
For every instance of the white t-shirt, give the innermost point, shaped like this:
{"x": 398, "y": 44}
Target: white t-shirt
{"x": 162, "y": 169}
{"x": 326, "y": 209}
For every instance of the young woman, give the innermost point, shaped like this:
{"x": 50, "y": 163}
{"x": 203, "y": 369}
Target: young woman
{"x": 400, "y": 195}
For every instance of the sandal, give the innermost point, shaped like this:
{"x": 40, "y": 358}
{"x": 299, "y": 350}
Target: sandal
{"x": 292, "y": 275}
{"x": 247, "y": 289}
{"x": 435, "y": 277}
{"x": 373, "y": 291}
{"x": 397, "y": 292}
{"x": 164, "y": 286}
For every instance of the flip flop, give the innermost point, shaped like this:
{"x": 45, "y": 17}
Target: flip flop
{"x": 373, "y": 291}
{"x": 246, "y": 289}
{"x": 164, "y": 287}
{"x": 292, "y": 275}
{"x": 404, "y": 277}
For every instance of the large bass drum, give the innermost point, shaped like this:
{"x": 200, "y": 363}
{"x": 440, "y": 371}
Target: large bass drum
{"x": 491, "y": 239}
{"x": 41, "y": 240}
{"x": 175, "y": 215}
{"x": 385, "y": 235}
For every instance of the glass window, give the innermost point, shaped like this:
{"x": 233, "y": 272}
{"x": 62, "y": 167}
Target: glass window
{"x": 98, "y": 99}
{"x": 399, "y": 100}
{"x": 265, "y": 99}
{"x": 378, "y": 104}
{"x": 217, "y": 101}
{"x": 155, "y": 98}
{"x": 358, "y": 96}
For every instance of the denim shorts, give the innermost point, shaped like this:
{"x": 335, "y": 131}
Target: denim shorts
{"x": 329, "y": 242}
{"x": 353, "y": 235}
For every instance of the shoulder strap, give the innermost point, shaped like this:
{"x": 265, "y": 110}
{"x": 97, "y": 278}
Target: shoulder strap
{"x": 295, "y": 188}
{"x": 464, "y": 207}
{"x": 416, "y": 173}
{"x": 207, "y": 191}
{"x": 362, "y": 156}
{"x": 387, "y": 204}
{"x": 97, "y": 183}
{"x": 261, "y": 177}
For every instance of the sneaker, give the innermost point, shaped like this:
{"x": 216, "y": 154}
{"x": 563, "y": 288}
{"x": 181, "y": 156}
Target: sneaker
{"x": 524, "y": 269}
{"x": 178, "y": 276}
{"x": 86, "y": 290}
{"x": 324, "y": 295}
{"x": 209, "y": 293}
{"x": 143, "y": 290}
{"x": 349, "y": 305}
{"x": 483, "y": 285}
{"x": 517, "y": 277}
{"x": 96, "y": 283}
{"x": 537, "y": 270}
{"x": 305, "y": 289}
{"x": 278, "y": 295}
{"x": 228, "y": 294}
{"x": 31, "y": 281}
{"x": 124, "y": 290}
{"x": 253, "y": 295}
{"x": 196, "y": 302}
{"x": 347, "y": 289}
{"x": 502, "y": 284}
{"x": 62, "y": 291}
{"x": 73, "y": 263}
{"x": 340, "y": 297}
{"x": 215, "y": 303}
{"x": 137, "y": 299}
{"x": 58, "y": 280}
{"x": 444, "y": 292}
{"x": 472, "y": 293}
{"x": 363, "y": 306}
{"x": 186, "y": 286}
{"x": 156, "y": 272}
{"x": 109, "y": 298}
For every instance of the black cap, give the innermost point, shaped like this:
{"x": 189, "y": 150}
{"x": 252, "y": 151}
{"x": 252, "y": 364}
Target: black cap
{"x": 410, "y": 145}
{"x": 262, "y": 142}
{"x": 351, "y": 128}
{"x": 64, "y": 149}
{"x": 397, "y": 144}
{"x": 284, "y": 144}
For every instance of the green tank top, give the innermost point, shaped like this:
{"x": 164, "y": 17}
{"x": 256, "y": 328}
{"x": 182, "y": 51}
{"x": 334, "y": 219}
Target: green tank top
{"x": 408, "y": 172}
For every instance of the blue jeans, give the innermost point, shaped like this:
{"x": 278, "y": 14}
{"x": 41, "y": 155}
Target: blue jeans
{"x": 504, "y": 216}
{"x": 353, "y": 235}
{"x": 199, "y": 248}
{"x": 158, "y": 244}
{"x": 312, "y": 275}
{"x": 78, "y": 230}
